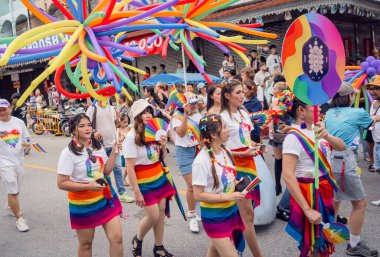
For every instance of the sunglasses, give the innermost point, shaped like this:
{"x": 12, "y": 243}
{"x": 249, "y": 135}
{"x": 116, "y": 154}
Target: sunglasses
{"x": 92, "y": 158}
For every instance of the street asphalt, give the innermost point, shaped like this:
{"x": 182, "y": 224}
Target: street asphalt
{"x": 46, "y": 209}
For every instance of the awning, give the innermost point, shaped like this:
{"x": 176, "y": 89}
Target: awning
{"x": 275, "y": 7}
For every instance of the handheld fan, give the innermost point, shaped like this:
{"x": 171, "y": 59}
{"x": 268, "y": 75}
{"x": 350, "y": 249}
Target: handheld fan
{"x": 263, "y": 118}
{"x": 335, "y": 232}
{"x": 155, "y": 128}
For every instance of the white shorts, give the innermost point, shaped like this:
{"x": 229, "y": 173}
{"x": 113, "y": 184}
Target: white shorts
{"x": 11, "y": 177}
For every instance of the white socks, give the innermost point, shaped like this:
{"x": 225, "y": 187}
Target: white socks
{"x": 354, "y": 240}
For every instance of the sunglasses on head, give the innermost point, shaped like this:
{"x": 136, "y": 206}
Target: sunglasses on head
{"x": 92, "y": 158}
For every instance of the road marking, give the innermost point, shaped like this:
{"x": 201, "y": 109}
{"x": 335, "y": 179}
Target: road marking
{"x": 37, "y": 167}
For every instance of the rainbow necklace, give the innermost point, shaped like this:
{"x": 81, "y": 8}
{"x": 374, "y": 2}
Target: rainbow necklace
{"x": 324, "y": 165}
{"x": 243, "y": 140}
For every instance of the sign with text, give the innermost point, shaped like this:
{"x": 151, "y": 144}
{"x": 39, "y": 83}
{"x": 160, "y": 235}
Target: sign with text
{"x": 142, "y": 43}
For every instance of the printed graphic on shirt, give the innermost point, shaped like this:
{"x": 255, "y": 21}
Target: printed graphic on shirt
{"x": 244, "y": 134}
{"x": 95, "y": 170}
{"x": 228, "y": 179}
{"x": 153, "y": 152}
{"x": 10, "y": 138}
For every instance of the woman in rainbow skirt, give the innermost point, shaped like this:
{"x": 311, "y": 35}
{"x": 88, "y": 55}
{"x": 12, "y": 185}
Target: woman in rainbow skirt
{"x": 83, "y": 171}
{"x": 146, "y": 175}
{"x": 214, "y": 179}
{"x": 243, "y": 152}
{"x": 309, "y": 206}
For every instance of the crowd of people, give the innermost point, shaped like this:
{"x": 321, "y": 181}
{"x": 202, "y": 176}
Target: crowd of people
{"x": 228, "y": 152}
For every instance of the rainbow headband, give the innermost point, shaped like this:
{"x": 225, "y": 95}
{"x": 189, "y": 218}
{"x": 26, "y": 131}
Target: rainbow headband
{"x": 191, "y": 125}
{"x": 324, "y": 165}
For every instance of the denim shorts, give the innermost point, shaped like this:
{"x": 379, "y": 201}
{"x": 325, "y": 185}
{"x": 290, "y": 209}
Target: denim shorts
{"x": 185, "y": 157}
{"x": 376, "y": 155}
{"x": 350, "y": 184}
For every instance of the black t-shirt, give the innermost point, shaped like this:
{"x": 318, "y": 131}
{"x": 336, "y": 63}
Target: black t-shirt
{"x": 20, "y": 112}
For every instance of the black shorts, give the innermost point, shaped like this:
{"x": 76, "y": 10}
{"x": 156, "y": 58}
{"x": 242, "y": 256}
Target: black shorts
{"x": 369, "y": 137}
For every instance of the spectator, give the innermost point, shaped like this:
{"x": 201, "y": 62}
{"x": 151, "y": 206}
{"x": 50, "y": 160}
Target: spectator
{"x": 231, "y": 64}
{"x": 32, "y": 102}
{"x": 191, "y": 68}
{"x": 55, "y": 97}
{"x": 154, "y": 71}
{"x": 273, "y": 60}
{"x": 132, "y": 76}
{"x": 179, "y": 67}
{"x": 202, "y": 97}
{"x": 105, "y": 121}
{"x": 269, "y": 85}
{"x": 259, "y": 81}
{"x": 254, "y": 60}
{"x": 234, "y": 75}
{"x": 147, "y": 74}
{"x": 160, "y": 90}
{"x": 162, "y": 69}
{"x": 18, "y": 111}
{"x": 226, "y": 76}
{"x": 40, "y": 102}
{"x": 124, "y": 105}
{"x": 247, "y": 73}
{"x": 252, "y": 104}
{"x": 214, "y": 100}
{"x": 224, "y": 64}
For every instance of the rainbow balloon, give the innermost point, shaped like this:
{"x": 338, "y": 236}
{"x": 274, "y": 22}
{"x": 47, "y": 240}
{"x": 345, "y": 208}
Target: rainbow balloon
{"x": 154, "y": 129}
{"x": 335, "y": 232}
{"x": 263, "y": 118}
{"x": 314, "y": 59}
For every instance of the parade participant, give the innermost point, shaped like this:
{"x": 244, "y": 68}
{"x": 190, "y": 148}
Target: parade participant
{"x": 214, "y": 179}
{"x": 145, "y": 172}
{"x": 247, "y": 73}
{"x": 105, "y": 121}
{"x": 240, "y": 127}
{"x": 83, "y": 171}
{"x": 276, "y": 135}
{"x": 160, "y": 91}
{"x": 14, "y": 139}
{"x": 202, "y": 97}
{"x": 155, "y": 101}
{"x": 214, "y": 99}
{"x": 183, "y": 122}
{"x": 273, "y": 60}
{"x": 124, "y": 106}
{"x": 309, "y": 206}
{"x": 345, "y": 122}
{"x": 254, "y": 60}
{"x": 259, "y": 80}
{"x": 374, "y": 89}
{"x": 251, "y": 104}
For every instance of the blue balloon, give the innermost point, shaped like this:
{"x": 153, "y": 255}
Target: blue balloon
{"x": 364, "y": 65}
{"x": 375, "y": 64}
{"x": 371, "y": 71}
{"x": 369, "y": 59}
{"x": 378, "y": 71}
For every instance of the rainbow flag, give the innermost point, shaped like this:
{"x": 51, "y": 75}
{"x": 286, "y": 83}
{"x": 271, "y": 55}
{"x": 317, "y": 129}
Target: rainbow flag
{"x": 194, "y": 134}
{"x": 175, "y": 99}
{"x": 38, "y": 147}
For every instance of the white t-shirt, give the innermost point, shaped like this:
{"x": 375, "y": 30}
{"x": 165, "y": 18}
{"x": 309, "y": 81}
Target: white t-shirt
{"x": 105, "y": 123}
{"x": 12, "y": 134}
{"x": 240, "y": 128}
{"x": 273, "y": 62}
{"x": 260, "y": 77}
{"x": 185, "y": 141}
{"x": 202, "y": 173}
{"x": 203, "y": 100}
{"x": 144, "y": 155}
{"x": 376, "y": 128}
{"x": 305, "y": 165}
{"x": 80, "y": 168}
{"x": 260, "y": 93}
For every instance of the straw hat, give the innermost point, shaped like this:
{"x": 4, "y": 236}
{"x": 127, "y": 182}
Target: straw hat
{"x": 375, "y": 81}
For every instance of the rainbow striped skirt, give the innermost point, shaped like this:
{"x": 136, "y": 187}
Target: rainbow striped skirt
{"x": 222, "y": 220}
{"x": 153, "y": 183}
{"x": 89, "y": 209}
{"x": 245, "y": 166}
{"x": 309, "y": 236}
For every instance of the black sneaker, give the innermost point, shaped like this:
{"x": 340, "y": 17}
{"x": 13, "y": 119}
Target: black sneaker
{"x": 342, "y": 219}
{"x": 361, "y": 250}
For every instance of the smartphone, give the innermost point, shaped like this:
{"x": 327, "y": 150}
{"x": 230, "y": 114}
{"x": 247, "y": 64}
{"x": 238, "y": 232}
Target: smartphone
{"x": 102, "y": 181}
{"x": 243, "y": 184}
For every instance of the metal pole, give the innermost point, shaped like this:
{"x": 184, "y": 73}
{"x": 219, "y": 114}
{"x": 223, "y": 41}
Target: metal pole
{"x": 184, "y": 65}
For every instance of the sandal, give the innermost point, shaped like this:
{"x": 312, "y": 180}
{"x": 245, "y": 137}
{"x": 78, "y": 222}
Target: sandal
{"x": 371, "y": 168}
{"x": 136, "y": 247}
{"x": 161, "y": 249}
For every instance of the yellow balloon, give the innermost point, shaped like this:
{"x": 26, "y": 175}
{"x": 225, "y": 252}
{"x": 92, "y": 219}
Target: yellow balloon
{"x": 127, "y": 94}
{"x": 133, "y": 68}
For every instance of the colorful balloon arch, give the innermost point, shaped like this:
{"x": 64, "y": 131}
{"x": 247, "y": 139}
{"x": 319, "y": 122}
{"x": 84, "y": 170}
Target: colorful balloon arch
{"x": 92, "y": 51}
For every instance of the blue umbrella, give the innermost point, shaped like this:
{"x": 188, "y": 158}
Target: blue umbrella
{"x": 172, "y": 78}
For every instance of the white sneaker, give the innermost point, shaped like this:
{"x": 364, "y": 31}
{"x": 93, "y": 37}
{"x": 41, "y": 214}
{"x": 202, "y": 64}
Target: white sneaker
{"x": 21, "y": 225}
{"x": 375, "y": 203}
{"x": 193, "y": 224}
{"x": 197, "y": 217}
{"x": 9, "y": 210}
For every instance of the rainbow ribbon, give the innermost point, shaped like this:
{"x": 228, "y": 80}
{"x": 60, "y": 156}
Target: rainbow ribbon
{"x": 324, "y": 165}
{"x": 38, "y": 147}
{"x": 191, "y": 125}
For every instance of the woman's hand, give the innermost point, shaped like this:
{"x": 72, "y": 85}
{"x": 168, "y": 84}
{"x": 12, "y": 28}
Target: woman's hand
{"x": 285, "y": 129}
{"x": 139, "y": 199}
{"x": 94, "y": 186}
{"x": 313, "y": 216}
{"x": 186, "y": 110}
{"x": 322, "y": 131}
{"x": 163, "y": 140}
{"x": 98, "y": 136}
{"x": 250, "y": 152}
{"x": 235, "y": 196}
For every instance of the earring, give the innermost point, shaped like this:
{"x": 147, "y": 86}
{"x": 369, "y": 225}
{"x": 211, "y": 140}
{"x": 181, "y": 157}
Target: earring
{"x": 303, "y": 124}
